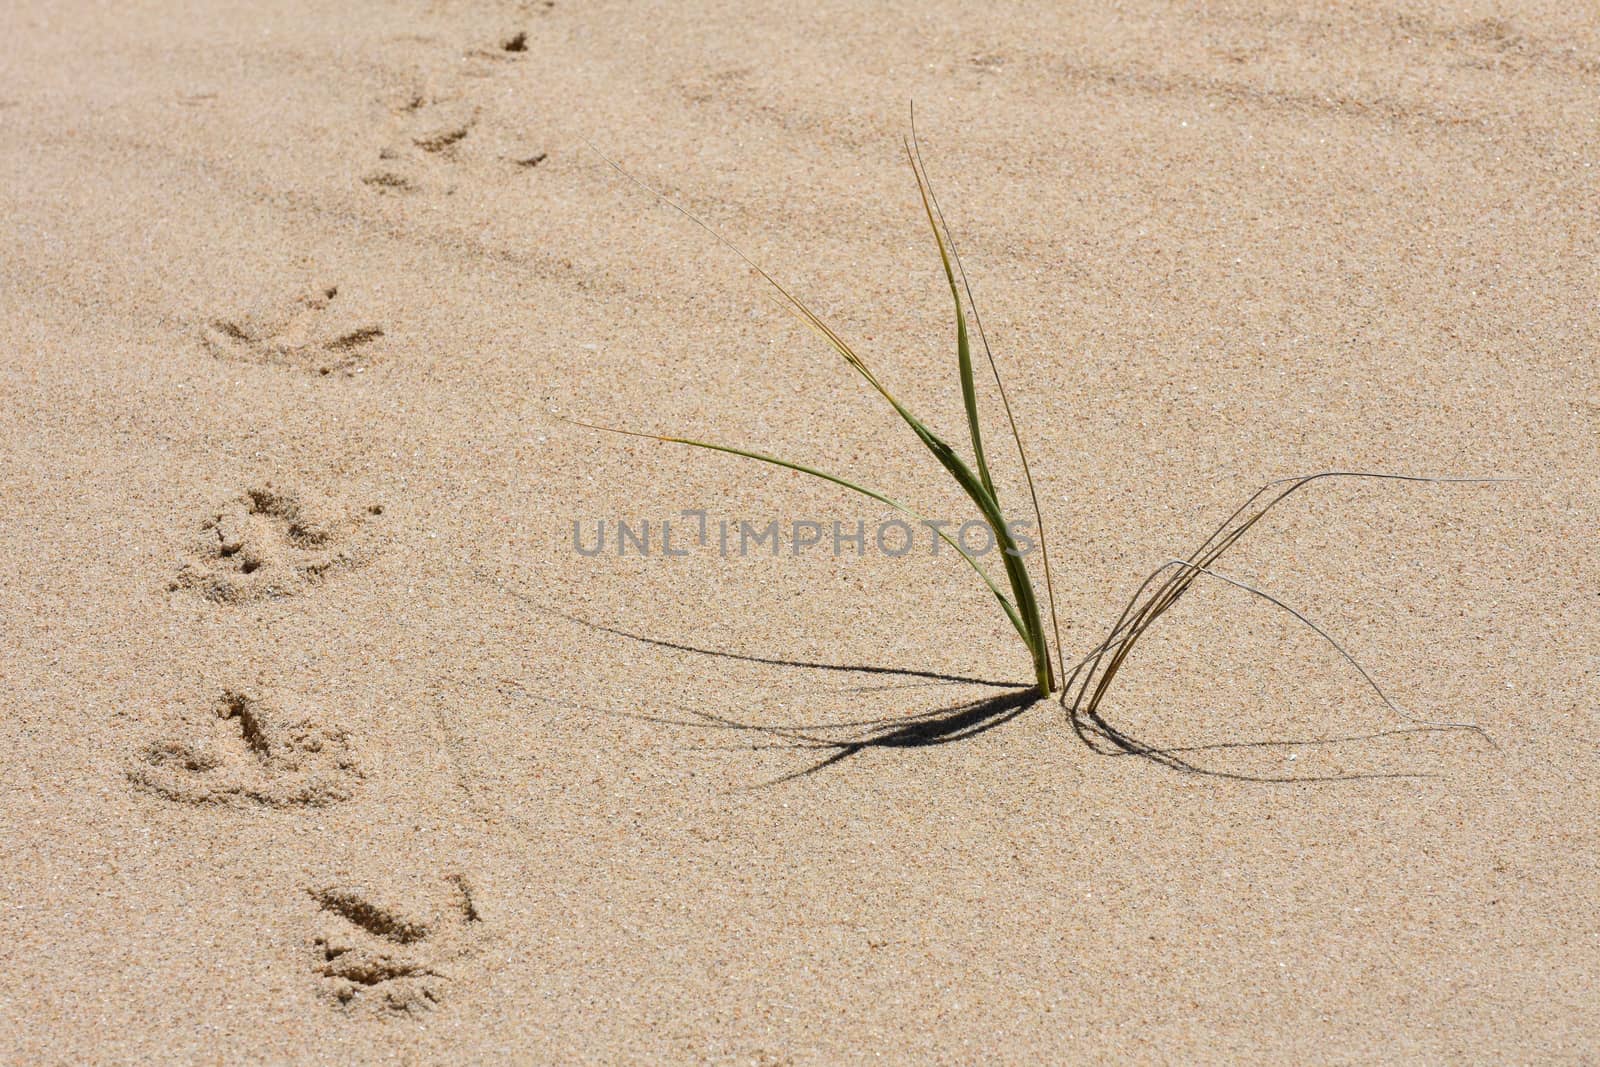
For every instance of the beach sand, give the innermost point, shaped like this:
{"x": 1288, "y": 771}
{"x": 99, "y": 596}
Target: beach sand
{"x": 323, "y": 744}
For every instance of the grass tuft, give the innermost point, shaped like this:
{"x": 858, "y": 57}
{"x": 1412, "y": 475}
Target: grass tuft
{"x": 1022, "y": 606}
{"x": 1084, "y": 686}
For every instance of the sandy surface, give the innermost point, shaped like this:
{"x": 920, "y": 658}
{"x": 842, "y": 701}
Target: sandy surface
{"x": 323, "y": 745}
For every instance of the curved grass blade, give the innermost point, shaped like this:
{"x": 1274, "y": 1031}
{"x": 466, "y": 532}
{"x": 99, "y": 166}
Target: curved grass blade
{"x": 1009, "y": 608}
{"x": 1086, "y": 686}
{"x": 969, "y": 392}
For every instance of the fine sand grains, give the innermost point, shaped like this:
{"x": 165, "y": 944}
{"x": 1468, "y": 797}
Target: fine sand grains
{"x": 324, "y": 745}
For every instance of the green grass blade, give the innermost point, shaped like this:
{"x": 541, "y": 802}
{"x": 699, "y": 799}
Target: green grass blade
{"x": 1010, "y": 609}
{"x": 969, "y": 392}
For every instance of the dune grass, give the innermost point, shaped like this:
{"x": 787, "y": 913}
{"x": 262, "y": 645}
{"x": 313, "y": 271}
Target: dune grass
{"x": 1085, "y": 684}
{"x": 1022, "y": 606}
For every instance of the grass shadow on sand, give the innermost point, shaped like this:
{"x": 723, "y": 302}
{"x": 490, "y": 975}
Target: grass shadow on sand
{"x": 838, "y": 741}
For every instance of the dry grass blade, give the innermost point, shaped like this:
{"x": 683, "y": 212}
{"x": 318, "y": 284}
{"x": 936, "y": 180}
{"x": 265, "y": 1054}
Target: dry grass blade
{"x": 1088, "y": 682}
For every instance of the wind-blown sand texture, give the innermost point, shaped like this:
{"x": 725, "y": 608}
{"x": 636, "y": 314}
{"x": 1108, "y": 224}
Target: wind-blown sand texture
{"x": 324, "y": 745}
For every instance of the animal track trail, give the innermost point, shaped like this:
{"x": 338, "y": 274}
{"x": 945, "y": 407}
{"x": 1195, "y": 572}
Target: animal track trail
{"x": 268, "y": 542}
{"x": 252, "y": 752}
{"x": 392, "y": 960}
{"x": 320, "y": 331}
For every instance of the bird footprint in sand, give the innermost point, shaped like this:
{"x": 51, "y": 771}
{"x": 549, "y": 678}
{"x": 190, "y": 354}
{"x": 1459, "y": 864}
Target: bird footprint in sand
{"x": 389, "y": 959}
{"x": 432, "y": 133}
{"x": 322, "y": 331}
{"x": 252, "y": 752}
{"x": 267, "y": 542}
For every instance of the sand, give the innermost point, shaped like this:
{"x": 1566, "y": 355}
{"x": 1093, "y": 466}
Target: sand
{"x": 324, "y": 745}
